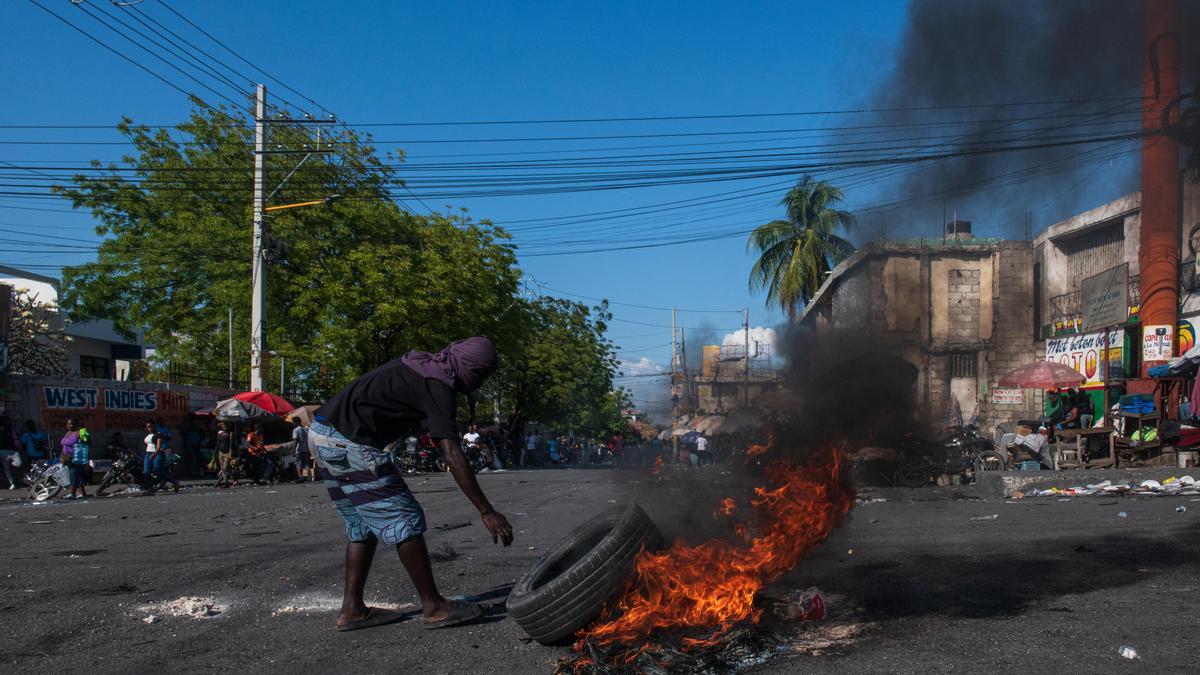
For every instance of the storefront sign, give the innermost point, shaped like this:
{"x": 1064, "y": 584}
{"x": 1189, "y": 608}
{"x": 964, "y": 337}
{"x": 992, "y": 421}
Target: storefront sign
{"x": 1008, "y": 397}
{"x": 1157, "y": 342}
{"x": 1105, "y": 298}
{"x": 1084, "y": 353}
{"x": 100, "y": 408}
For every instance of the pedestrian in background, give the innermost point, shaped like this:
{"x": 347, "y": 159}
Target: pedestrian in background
{"x": 76, "y": 459}
{"x": 264, "y": 459}
{"x": 36, "y": 444}
{"x": 303, "y": 457}
{"x": 151, "y": 457}
{"x": 10, "y": 455}
{"x": 223, "y": 455}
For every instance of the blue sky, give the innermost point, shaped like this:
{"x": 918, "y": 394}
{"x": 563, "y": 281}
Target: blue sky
{"x": 408, "y": 61}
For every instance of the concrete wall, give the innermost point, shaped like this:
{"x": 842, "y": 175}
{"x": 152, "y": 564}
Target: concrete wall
{"x": 25, "y": 398}
{"x": 1012, "y": 344}
{"x": 929, "y": 305}
{"x": 1058, "y": 277}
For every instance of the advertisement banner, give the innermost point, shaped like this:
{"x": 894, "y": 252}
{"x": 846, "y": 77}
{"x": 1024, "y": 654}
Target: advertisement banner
{"x": 1157, "y": 343}
{"x": 1105, "y": 298}
{"x": 1008, "y": 396}
{"x": 1084, "y": 353}
{"x": 100, "y": 408}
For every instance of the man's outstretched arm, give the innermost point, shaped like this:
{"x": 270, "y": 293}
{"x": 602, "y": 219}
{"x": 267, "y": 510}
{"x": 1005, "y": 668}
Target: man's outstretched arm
{"x": 496, "y": 524}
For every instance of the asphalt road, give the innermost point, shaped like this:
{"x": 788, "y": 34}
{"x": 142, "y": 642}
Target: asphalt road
{"x": 1046, "y": 586}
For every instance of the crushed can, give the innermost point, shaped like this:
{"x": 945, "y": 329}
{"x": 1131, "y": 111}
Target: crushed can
{"x": 806, "y": 606}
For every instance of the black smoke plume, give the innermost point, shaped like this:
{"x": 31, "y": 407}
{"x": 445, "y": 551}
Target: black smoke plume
{"x": 1082, "y": 56}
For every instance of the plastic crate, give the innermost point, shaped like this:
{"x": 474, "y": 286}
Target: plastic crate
{"x": 1029, "y": 465}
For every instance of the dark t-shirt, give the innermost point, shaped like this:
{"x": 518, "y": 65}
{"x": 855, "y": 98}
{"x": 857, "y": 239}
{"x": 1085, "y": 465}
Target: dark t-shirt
{"x": 387, "y": 402}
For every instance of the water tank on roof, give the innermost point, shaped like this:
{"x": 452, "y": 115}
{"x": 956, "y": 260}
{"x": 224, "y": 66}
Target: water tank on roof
{"x": 959, "y": 229}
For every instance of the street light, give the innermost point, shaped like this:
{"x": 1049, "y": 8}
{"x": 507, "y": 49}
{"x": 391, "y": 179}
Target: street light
{"x": 316, "y": 202}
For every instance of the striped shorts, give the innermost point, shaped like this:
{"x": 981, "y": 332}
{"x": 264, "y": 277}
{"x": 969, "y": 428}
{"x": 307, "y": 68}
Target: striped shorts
{"x": 366, "y": 488}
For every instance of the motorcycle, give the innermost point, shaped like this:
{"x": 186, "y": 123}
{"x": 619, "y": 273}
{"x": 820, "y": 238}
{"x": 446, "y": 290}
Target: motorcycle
{"x": 417, "y": 458}
{"x": 475, "y": 457}
{"x": 126, "y": 469}
{"x": 962, "y": 452}
{"x": 47, "y": 480}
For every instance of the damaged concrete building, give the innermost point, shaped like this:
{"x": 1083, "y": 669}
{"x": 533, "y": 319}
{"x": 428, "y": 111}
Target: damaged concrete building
{"x": 957, "y": 309}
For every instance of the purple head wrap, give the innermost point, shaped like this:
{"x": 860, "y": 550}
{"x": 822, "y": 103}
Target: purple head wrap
{"x": 462, "y": 365}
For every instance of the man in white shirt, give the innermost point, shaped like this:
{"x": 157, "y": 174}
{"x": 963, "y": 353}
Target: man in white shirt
{"x": 701, "y": 449}
{"x": 472, "y": 436}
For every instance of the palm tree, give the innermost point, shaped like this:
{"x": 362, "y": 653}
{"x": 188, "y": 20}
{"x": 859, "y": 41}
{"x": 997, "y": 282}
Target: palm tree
{"x": 795, "y": 254}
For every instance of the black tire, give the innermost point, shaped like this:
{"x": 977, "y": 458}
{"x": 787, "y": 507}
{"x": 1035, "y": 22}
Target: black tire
{"x": 45, "y": 488}
{"x": 567, "y": 587}
{"x": 105, "y": 482}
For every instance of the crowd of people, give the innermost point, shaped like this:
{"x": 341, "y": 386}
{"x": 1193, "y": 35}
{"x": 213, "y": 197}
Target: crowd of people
{"x": 234, "y": 455}
{"x": 239, "y": 453}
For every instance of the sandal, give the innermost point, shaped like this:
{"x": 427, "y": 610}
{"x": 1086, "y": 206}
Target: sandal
{"x": 463, "y": 612}
{"x": 374, "y": 617}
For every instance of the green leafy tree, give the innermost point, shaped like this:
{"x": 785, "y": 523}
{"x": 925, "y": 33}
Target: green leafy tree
{"x": 560, "y": 368}
{"x": 351, "y": 284}
{"x": 795, "y": 253}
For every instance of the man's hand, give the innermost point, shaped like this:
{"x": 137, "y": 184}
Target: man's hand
{"x": 498, "y": 526}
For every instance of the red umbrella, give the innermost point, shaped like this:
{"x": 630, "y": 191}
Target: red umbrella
{"x": 1042, "y": 375}
{"x": 267, "y": 401}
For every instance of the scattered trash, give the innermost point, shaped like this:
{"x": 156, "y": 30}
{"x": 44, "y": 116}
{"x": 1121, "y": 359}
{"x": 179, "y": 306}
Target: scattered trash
{"x": 873, "y": 500}
{"x": 994, "y": 516}
{"x": 1122, "y": 515}
{"x": 150, "y": 619}
{"x": 1182, "y": 485}
{"x": 1128, "y": 652}
{"x": 445, "y": 527}
{"x": 806, "y": 606}
{"x": 850, "y": 551}
{"x": 1181, "y": 509}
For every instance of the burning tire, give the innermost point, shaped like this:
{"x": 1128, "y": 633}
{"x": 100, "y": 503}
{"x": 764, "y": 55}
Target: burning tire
{"x": 567, "y": 587}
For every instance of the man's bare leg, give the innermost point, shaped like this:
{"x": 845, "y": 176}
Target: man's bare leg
{"x": 359, "y": 555}
{"x": 415, "y": 557}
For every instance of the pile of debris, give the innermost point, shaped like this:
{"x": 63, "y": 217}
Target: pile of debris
{"x": 1185, "y": 485}
{"x": 794, "y": 624}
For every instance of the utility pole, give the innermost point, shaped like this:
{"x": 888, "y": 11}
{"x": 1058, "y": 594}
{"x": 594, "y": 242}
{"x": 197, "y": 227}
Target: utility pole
{"x": 674, "y": 401}
{"x": 746, "y": 374}
{"x": 282, "y": 374}
{"x": 258, "y": 320}
{"x": 230, "y": 327}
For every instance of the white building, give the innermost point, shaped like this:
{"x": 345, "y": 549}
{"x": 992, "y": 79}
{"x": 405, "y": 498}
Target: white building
{"x": 96, "y": 349}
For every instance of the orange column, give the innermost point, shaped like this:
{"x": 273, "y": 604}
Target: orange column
{"x": 1158, "y": 255}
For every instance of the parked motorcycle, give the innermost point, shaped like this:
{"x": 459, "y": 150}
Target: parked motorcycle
{"x": 417, "y": 458}
{"x": 475, "y": 457}
{"x": 962, "y": 452}
{"x": 126, "y": 469}
{"x": 47, "y": 480}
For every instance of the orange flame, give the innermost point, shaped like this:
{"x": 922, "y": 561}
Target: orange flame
{"x": 756, "y": 449}
{"x": 711, "y": 587}
{"x": 658, "y": 465}
{"x": 725, "y": 507}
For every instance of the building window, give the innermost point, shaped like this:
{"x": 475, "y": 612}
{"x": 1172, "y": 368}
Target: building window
{"x": 94, "y": 367}
{"x": 963, "y": 365}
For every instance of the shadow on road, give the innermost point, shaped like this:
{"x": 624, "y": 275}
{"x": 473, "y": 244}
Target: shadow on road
{"x": 1007, "y": 582}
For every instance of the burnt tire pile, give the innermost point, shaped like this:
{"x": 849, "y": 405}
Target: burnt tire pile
{"x": 567, "y": 587}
